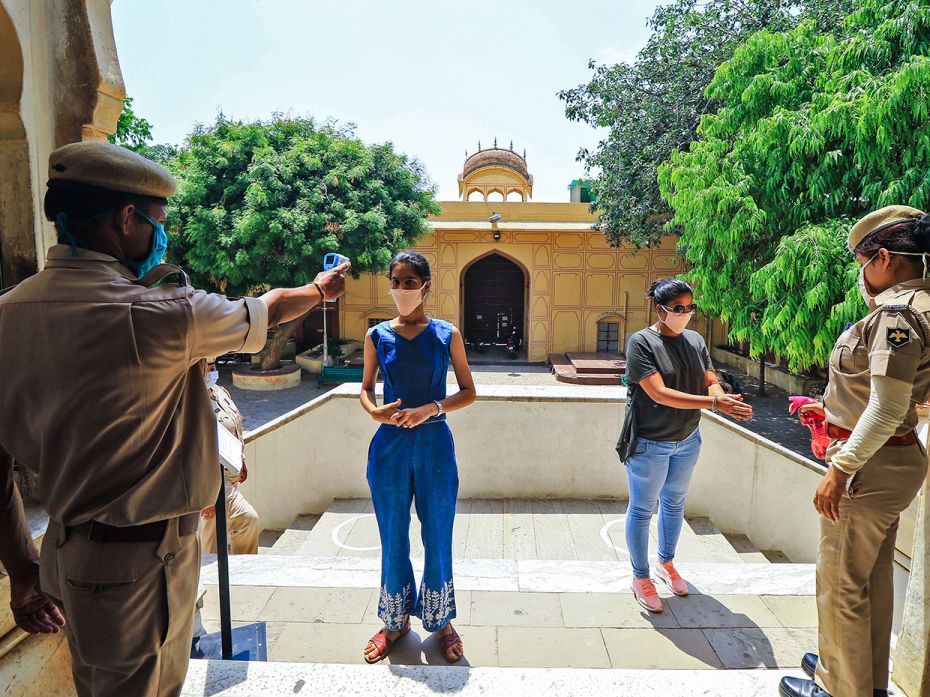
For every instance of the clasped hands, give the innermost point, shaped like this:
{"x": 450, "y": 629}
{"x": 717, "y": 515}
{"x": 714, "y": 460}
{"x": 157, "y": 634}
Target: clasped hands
{"x": 404, "y": 418}
{"x": 831, "y": 487}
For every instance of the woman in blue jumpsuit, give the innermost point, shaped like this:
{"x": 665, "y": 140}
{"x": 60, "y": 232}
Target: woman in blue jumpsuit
{"x": 412, "y": 457}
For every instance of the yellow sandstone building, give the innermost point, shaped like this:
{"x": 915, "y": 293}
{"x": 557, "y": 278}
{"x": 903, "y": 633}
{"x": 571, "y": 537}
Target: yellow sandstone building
{"x": 501, "y": 261}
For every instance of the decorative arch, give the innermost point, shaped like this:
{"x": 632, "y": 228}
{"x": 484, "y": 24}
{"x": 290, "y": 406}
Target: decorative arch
{"x": 504, "y": 292}
{"x": 515, "y": 195}
{"x": 494, "y": 191}
{"x": 480, "y": 195}
{"x": 18, "y": 258}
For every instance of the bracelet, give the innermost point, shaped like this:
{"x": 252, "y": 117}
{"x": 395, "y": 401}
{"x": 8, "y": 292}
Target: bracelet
{"x": 439, "y": 406}
{"x": 713, "y": 404}
{"x": 319, "y": 289}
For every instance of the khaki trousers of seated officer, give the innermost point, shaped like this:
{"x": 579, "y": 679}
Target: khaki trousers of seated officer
{"x": 242, "y": 525}
{"x": 129, "y": 609}
{"x": 855, "y": 590}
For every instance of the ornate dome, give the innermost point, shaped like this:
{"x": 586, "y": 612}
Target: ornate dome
{"x": 496, "y": 157}
{"x": 495, "y": 171}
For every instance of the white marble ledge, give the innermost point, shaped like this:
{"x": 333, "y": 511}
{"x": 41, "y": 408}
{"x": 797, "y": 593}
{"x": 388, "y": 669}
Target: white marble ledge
{"x": 531, "y": 576}
{"x": 239, "y": 679}
{"x": 725, "y": 578}
{"x": 524, "y": 393}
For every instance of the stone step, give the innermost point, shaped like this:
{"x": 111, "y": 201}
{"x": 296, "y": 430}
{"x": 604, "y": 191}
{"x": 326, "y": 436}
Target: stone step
{"x": 528, "y": 576}
{"x": 509, "y": 529}
{"x": 239, "y": 679}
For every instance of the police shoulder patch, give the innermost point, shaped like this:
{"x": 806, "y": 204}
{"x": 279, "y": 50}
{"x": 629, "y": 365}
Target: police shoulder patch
{"x": 899, "y": 336}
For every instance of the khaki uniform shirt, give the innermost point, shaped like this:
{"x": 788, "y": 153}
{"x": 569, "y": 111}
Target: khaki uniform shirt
{"x": 893, "y": 340}
{"x": 229, "y": 416}
{"x": 103, "y": 388}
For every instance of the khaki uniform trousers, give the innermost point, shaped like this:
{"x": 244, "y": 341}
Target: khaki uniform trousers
{"x": 242, "y": 525}
{"x": 855, "y": 589}
{"x": 129, "y": 609}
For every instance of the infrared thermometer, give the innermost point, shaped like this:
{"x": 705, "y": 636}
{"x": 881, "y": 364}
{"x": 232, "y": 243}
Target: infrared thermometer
{"x": 332, "y": 260}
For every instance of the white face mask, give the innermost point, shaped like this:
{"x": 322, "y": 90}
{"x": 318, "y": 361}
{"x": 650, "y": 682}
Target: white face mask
{"x": 407, "y": 300}
{"x": 675, "y": 322}
{"x": 867, "y": 297}
{"x": 212, "y": 377}
{"x": 863, "y": 285}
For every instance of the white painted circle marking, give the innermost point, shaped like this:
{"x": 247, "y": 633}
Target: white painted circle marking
{"x": 338, "y": 529}
{"x": 605, "y": 535}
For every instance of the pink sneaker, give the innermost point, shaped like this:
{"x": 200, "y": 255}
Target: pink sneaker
{"x": 645, "y": 593}
{"x": 669, "y": 576}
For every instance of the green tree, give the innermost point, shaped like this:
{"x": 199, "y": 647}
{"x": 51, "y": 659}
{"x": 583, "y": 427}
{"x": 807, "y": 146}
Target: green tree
{"x": 653, "y": 106}
{"x": 259, "y": 204}
{"x": 132, "y": 131}
{"x": 814, "y": 130}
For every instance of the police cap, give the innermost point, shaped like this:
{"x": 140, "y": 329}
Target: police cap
{"x": 877, "y": 220}
{"x": 112, "y": 168}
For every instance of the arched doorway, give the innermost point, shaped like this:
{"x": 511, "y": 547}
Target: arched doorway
{"x": 494, "y": 291}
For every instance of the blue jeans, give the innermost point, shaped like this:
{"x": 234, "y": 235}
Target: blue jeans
{"x": 658, "y": 472}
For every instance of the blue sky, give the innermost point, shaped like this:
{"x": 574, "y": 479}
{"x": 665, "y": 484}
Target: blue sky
{"x": 433, "y": 77}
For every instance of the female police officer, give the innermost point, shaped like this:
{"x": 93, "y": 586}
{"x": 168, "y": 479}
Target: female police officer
{"x": 879, "y": 369}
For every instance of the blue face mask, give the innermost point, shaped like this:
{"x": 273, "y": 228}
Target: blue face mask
{"x": 156, "y": 254}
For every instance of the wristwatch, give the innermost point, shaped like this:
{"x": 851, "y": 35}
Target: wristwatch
{"x": 438, "y": 406}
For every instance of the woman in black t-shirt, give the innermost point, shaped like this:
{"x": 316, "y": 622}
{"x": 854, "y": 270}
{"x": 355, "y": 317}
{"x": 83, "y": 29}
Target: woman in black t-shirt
{"x": 670, "y": 378}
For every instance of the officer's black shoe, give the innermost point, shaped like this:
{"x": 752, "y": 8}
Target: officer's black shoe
{"x": 797, "y": 687}
{"x": 809, "y": 663}
{"x": 809, "y": 666}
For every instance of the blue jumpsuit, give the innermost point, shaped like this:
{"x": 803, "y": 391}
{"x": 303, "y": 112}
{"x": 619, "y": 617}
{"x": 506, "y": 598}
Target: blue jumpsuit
{"x": 414, "y": 464}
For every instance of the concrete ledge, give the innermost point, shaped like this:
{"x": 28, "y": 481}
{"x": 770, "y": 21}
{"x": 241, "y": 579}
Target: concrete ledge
{"x": 241, "y": 679}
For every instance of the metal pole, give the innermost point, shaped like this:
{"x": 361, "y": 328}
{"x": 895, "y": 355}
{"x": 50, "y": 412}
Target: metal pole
{"x": 325, "y": 337}
{"x": 222, "y": 563}
{"x": 762, "y": 375}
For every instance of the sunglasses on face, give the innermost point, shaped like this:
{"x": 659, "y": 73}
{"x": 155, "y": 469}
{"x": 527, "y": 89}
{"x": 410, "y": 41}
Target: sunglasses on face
{"x": 681, "y": 309}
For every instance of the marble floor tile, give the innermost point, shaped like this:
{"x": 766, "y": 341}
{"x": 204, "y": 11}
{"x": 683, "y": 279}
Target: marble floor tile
{"x": 332, "y": 605}
{"x": 516, "y": 609}
{"x": 555, "y": 648}
{"x": 553, "y": 534}
{"x": 246, "y": 602}
{"x": 667, "y": 649}
{"x": 485, "y": 530}
{"x": 713, "y": 611}
{"x": 307, "y": 642}
{"x": 793, "y": 610}
{"x": 610, "y": 610}
{"x": 519, "y": 534}
{"x": 761, "y": 648}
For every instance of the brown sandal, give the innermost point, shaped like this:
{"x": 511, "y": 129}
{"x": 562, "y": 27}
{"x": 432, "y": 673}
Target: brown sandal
{"x": 383, "y": 644}
{"x": 448, "y": 642}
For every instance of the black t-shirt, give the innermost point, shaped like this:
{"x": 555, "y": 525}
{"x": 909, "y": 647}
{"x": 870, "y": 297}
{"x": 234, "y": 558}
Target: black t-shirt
{"x": 682, "y": 361}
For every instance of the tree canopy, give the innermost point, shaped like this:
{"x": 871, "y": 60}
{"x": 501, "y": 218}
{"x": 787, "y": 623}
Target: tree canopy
{"x": 132, "y": 131}
{"x": 653, "y": 106}
{"x": 814, "y": 130}
{"x": 260, "y": 203}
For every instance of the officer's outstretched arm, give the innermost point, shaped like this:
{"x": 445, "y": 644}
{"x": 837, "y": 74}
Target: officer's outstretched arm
{"x": 286, "y": 304}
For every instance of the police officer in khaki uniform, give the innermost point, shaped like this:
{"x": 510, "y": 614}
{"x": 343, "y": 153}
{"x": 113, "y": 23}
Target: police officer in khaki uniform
{"x": 103, "y": 394}
{"x": 879, "y": 371}
{"x": 242, "y": 520}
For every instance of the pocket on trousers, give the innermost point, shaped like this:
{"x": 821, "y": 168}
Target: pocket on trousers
{"x": 116, "y": 625}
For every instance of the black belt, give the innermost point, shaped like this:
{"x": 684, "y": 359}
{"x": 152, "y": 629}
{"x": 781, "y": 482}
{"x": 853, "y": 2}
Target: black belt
{"x": 149, "y": 532}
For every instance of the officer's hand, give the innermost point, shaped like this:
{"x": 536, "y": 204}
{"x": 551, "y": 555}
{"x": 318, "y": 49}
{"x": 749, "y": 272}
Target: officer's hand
{"x": 815, "y": 410}
{"x": 243, "y": 473}
{"x": 829, "y": 493}
{"x": 209, "y": 512}
{"x": 385, "y": 413}
{"x": 33, "y": 611}
{"x": 333, "y": 282}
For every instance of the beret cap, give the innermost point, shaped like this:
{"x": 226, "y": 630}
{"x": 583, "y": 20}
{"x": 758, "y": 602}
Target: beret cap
{"x": 111, "y": 167}
{"x": 879, "y": 219}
